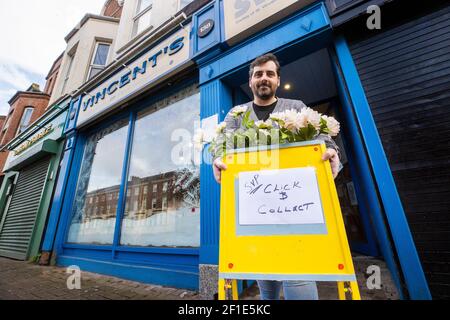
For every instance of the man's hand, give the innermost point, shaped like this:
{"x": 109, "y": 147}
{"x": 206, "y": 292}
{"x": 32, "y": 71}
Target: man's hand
{"x": 218, "y": 166}
{"x": 332, "y": 155}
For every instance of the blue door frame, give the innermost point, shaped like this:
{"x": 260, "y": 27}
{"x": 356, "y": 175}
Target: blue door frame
{"x": 216, "y": 98}
{"x": 398, "y": 225}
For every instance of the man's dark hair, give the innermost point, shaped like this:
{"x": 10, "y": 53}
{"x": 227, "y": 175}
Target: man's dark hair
{"x": 263, "y": 59}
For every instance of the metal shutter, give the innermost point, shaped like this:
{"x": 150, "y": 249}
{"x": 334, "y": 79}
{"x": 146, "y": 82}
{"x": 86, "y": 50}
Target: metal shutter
{"x": 19, "y": 220}
{"x": 405, "y": 72}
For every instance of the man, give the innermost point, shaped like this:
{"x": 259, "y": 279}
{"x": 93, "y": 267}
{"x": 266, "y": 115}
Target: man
{"x": 264, "y": 80}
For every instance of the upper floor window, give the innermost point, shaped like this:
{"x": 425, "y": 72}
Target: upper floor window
{"x": 26, "y": 119}
{"x": 99, "y": 59}
{"x": 142, "y": 18}
{"x": 70, "y": 58}
{"x": 8, "y": 120}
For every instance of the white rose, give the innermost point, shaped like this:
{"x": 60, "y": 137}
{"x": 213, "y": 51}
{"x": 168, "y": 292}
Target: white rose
{"x": 237, "y": 111}
{"x": 277, "y": 116}
{"x": 220, "y": 127}
{"x": 294, "y": 120}
{"x": 264, "y": 124}
{"x": 312, "y": 117}
{"x": 333, "y": 125}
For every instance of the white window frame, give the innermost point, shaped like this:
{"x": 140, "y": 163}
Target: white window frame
{"x": 92, "y": 65}
{"x": 137, "y": 16}
{"x": 71, "y": 57}
{"x": 21, "y": 128}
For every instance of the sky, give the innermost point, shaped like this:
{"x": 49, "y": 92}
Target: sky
{"x": 31, "y": 39}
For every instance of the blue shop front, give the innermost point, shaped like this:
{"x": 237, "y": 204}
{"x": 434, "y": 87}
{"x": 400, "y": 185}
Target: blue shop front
{"x": 139, "y": 202}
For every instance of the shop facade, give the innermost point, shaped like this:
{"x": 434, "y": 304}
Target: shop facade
{"x": 135, "y": 202}
{"x": 31, "y": 171}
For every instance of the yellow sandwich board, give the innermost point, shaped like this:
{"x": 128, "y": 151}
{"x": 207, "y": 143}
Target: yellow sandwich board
{"x": 280, "y": 219}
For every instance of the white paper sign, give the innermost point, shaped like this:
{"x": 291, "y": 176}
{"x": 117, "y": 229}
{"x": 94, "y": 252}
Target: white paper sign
{"x": 285, "y": 196}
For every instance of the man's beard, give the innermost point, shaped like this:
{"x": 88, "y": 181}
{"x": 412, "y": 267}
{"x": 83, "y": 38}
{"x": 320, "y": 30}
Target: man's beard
{"x": 264, "y": 94}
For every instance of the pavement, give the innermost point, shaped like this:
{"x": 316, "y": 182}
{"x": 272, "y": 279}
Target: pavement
{"x": 21, "y": 280}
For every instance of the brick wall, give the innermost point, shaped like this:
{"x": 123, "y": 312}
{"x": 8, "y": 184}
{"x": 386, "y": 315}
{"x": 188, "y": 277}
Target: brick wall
{"x": 112, "y": 9}
{"x": 38, "y": 101}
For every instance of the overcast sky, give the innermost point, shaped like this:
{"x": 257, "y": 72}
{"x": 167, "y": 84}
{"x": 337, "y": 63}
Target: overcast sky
{"x": 32, "y": 37}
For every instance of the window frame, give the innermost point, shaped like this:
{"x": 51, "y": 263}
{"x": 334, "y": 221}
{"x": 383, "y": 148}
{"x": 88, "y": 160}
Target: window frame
{"x": 68, "y": 71}
{"x": 123, "y": 193}
{"x": 94, "y": 55}
{"x": 19, "y": 127}
{"x": 137, "y": 16}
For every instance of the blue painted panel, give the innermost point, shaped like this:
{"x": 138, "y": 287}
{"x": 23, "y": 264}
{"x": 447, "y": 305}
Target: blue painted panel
{"x": 202, "y": 44}
{"x": 147, "y": 274}
{"x": 401, "y": 234}
{"x": 364, "y": 185}
{"x": 215, "y": 98}
{"x": 124, "y": 183}
{"x": 58, "y": 197}
{"x": 72, "y": 117}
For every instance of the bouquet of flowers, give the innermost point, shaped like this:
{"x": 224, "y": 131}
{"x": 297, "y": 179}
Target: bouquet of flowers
{"x": 281, "y": 127}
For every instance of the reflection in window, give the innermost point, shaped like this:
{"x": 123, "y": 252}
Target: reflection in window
{"x": 173, "y": 218}
{"x": 100, "y": 175}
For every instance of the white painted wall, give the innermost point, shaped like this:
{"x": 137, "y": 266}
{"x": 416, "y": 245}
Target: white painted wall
{"x": 84, "y": 39}
{"x": 162, "y": 10}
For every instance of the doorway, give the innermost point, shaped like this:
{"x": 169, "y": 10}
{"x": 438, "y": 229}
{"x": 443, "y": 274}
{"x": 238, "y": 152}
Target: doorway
{"x": 311, "y": 79}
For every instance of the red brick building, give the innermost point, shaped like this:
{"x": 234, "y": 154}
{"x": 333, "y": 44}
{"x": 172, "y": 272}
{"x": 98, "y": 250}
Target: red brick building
{"x": 25, "y": 108}
{"x": 112, "y": 8}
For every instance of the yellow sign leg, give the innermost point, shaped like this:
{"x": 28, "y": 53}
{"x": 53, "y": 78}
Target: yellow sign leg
{"x": 355, "y": 290}
{"x": 350, "y": 287}
{"x": 228, "y": 289}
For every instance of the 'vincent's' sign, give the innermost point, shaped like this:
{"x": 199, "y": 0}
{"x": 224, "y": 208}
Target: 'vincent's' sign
{"x": 287, "y": 196}
{"x": 147, "y": 69}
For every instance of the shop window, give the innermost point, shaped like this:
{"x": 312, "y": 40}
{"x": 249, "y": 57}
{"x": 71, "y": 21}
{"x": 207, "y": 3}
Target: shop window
{"x": 26, "y": 119}
{"x": 99, "y": 59}
{"x": 99, "y": 171}
{"x": 142, "y": 19}
{"x": 176, "y": 226}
